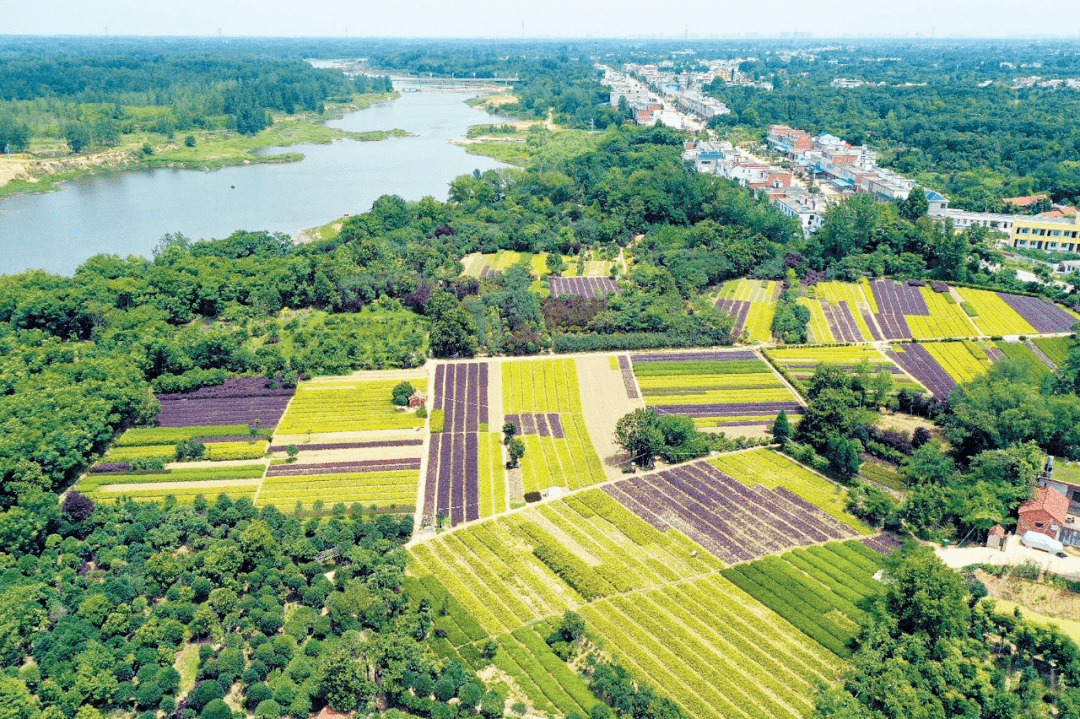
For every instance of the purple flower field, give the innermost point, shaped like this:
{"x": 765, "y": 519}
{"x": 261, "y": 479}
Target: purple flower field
{"x": 1041, "y": 315}
{"x": 591, "y": 288}
{"x": 894, "y": 300}
{"x": 739, "y": 309}
{"x": 884, "y": 543}
{"x": 351, "y": 445}
{"x": 373, "y": 465}
{"x": 733, "y": 521}
{"x": 453, "y": 480}
{"x": 628, "y": 377}
{"x": 240, "y": 400}
{"x": 731, "y": 409}
{"x": 545, "y": 425}
{"x": 923, "y": 367}
{"x": 841, "y": 322}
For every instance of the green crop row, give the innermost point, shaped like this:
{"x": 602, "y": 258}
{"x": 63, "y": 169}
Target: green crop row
{"x": 857, "y": 577}
{"x": 141, "y": 436}
{"x": 545, "y": 385}
{"x": 561, "y": 682}
{"x": 510, "y": 658}
{"x": 461, "y": 546}
{"x": 847, "y": 551}
{"x": 792, "y": 609}
{"x": 194, "y": 474}
{"x": 825, "y": 574}
{"x": 391, "y": 478}
{"x": 754, "y": 366}
{"x": 1056, "y": 348}
{"x": 428, "y": 562}
{"x": 1022, "y": 355}
{"x": 492, "y": 479}
{"x": 183, "y": 496}
{"x": 349, "y": 406}
{"x": 580, "y": 576}
{"x": 534, "y": 580}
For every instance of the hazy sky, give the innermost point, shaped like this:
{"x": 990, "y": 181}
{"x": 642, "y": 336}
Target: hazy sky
{"x": 541, "y": 18}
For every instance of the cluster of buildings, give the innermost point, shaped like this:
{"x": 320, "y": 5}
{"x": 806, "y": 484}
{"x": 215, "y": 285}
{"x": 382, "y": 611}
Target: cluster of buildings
{"x": 1057, "y": 229}
{"x": 648, "y": 108}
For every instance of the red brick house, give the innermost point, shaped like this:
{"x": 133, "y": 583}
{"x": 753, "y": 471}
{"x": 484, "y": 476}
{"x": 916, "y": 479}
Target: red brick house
{"x": 417, "y": 400}
{"x": 1045, "y": 512}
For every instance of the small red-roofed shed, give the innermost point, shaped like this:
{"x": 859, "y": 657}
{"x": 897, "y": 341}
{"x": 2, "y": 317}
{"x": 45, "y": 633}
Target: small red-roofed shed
{"x": 1045, "y": 512}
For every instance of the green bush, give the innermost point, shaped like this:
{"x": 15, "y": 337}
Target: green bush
{"x": 437, "y": 420}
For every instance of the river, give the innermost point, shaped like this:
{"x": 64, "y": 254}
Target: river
{"x": 127, "y": 212}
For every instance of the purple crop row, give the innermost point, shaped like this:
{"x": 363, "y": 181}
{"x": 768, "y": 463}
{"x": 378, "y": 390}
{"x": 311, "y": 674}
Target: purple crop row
{"x": 236, "y": 438}
{"x": 592, "y": 288}
{"x": 453, "y": 477}
{"x": 841, "y": 322}
{"x": 884, "y": 543}
{"x": 545, "y": 425}
{"x": 733, "y": 521}
{"x": 894, "y": 300}
{"x": 350, "y": 445}
{"x": 628, "y": 377}
{"x": 373, "y": 465}
{"x": 1043, "y": 316}
{"x": 739, "y": 309}
{"x": 868, "y": 318}
{"x": 233, "y": 387}
{"x": 731, "y": 409}
{"x": 461, "y": 392}
{"x": 923, "y": 367}
{"x": 939, "y": 287}
{"x": 232, "y": 410}
{"x": 700, "y": 356}
{"x": 110, "y": 468}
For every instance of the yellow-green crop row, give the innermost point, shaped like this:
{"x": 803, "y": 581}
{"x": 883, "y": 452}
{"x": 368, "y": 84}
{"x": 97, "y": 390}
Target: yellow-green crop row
{"x": 946, "y": 318}
{"x": 545, "y": 385}
{"x": 868, "y": 293}
{"x": 492, "y": 480}
{"x": 849, "y": 292}
{"x": 567, "y": 462}
{"x": 706, "y": 382}
{"x": 832, "y": 355}
{"x": 219, "y": 451}
{"x": 957, "y": 360}
{"x": 759, "y": 321}
{"x": 704, "y": 422}
{"x": 347, "y": 406}
{"x": 819, "y": 326}
{"x": 771, "y": 469}
{"x": 183, "y": 495}
{"x": 142, "y": 436}
{"x": 995, "y": 317}
{"x": 776, "y": 394}
{"x": 166, "y": 452}
{"x": 398, "y": 488}
{"x": 713, "y": 649}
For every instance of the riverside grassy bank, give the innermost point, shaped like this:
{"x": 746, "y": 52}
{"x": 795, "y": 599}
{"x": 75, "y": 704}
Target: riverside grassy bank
{"x": 49, "y": 163}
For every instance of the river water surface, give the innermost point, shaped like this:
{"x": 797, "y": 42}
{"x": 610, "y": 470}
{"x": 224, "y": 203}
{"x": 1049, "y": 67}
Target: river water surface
{"x": 127, "y": 212}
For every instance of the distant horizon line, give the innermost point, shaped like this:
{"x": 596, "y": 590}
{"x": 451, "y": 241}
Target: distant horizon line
{"x": 554, "y": 38}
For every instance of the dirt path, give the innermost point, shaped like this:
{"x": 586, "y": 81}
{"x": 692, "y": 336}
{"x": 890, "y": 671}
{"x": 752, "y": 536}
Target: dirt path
{"x": 603, "y": 402}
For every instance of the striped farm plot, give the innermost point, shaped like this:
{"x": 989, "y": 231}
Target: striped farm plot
{"x": 817, "y": 589}
{"x": 390, "y": 485}
{"x": 514, "y": 569}
{"x": 183, "y": 483}
{"x": 462, "y": 452}
{"x": 1021, "y": 354}
{"x": 348, "y": 404}
{"x": 735, "y": 521}
{"x": 714, "y": 649}
{"x": 853, "y": 310}
{"x": 992, "y": 314}
{"x": 590, "y": 288}
{"x": 1055, "y": 349}
{"x": 777, "y": 471}
{"x": 1041, "y": 314}
{"x": 753, "y": 304}
{"x": 906, "y": 311}
{"x": 542, "y": 398}
{"x": 717, "y": 389}
{"x": 485, "y": 265}
{"x": 963, "y": 361}
{"x": 921, "y": 365}
{"x": 800, "y": 363}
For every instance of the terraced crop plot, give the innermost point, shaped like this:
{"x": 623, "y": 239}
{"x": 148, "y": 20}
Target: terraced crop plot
{"x": 517, "y": 568}
{"x": 963, "y": 361}
{"x": 548, "y": 388}
{"x": 992, "y": 314}
{"x": 775, "y": 471}
{"x": 801, "y": 362}
{"x": 906, "y": 311}
{"x": 347, "y": 405}
{"x": 184, "y": 484}
{"x": 714, "y": 649}
{"x": 717, "y": 389}
{"x": 1021, "y": 354}
{"x": 146, "y": 436}
{"x": 1056, "y": 349}
{"x": 547, "y": 682}
{"x": 733, "y": 521}
{"x": 753, "y": 304}
{"x": 816, "y": 589}
{"x": 1040, "y": 314}
{"x": 852, "y": 317}
{"x": 239, "y": 401}
{"x": 452, "y": 489}
{"x": 592, "y": 288}
{"x": 921, "y": 365}
{"x": 390, "y": 483}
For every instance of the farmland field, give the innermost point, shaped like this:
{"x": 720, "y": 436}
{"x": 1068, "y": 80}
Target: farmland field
{"x": 753, "y": 304}
{"x": 346, "y": 404}
{"x": 963, "y": 361}
{"x": 811, "y": 587}
{"x": 239, "y": 400}
{"x": 777, "y": 471}
{"x": 717, "y": 389}
{"x": 1021, "y": 354}
{"x": 993, "y": 315}
{"x": 484, "y": 265}
{"x": 542, "y": 398}
{"x": 452, "y": 487}
{"x": 1056, "y": 349}
{"x": 713, "y": 649}
{"x": 592, "y": 288}
{"x": 184, "y": 483}
{"x": 734, "y": 521}
{"x": 514, "y": 569}
{"x": 800, "y": 362}
{"x": 921, "y": 365}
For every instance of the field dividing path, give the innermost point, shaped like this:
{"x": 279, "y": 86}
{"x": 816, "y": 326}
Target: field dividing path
{"x": 603, "y": 403}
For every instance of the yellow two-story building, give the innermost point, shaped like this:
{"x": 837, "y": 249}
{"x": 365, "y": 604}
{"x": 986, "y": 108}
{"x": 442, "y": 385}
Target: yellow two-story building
{"x": 1049, "y": 234}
